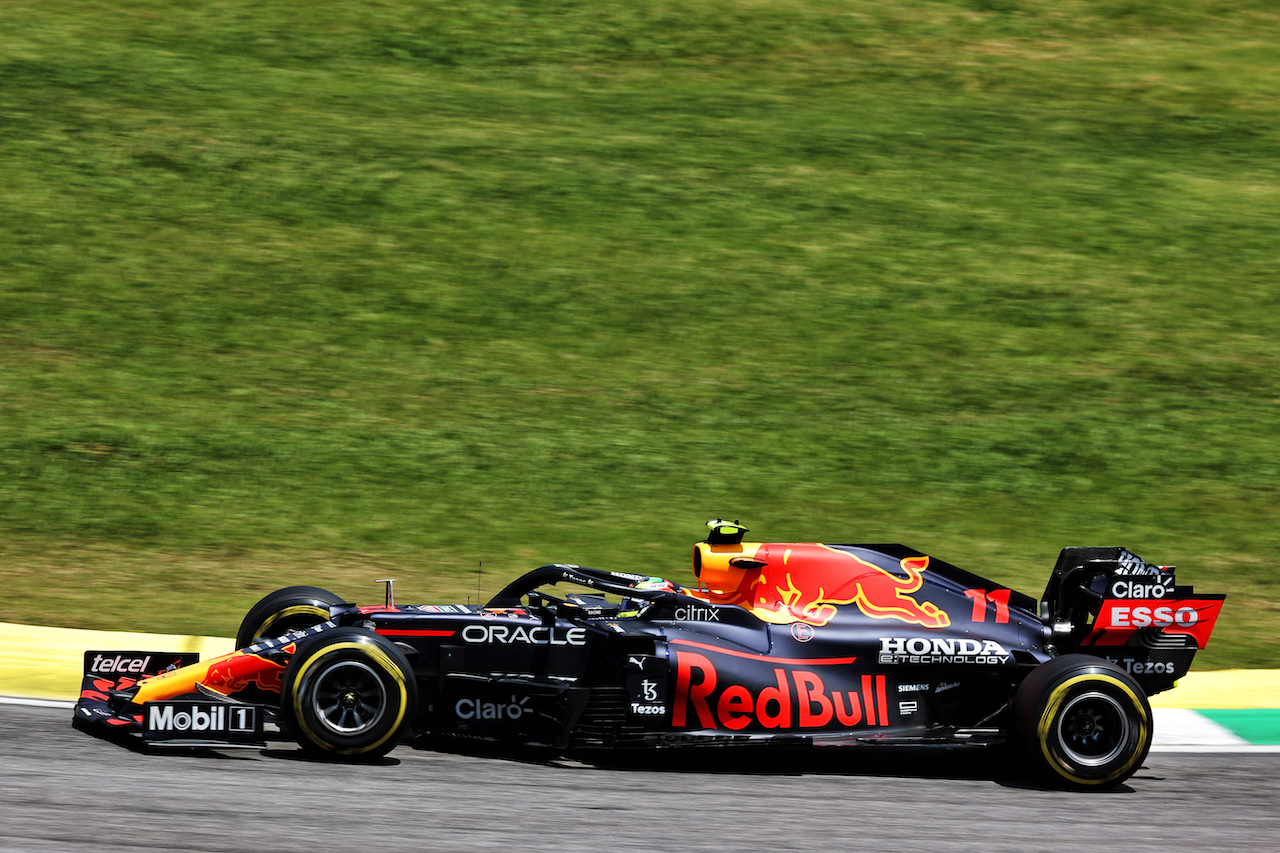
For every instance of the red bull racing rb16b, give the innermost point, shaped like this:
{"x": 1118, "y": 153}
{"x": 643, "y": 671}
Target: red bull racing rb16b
{"x": 792, "y": 643}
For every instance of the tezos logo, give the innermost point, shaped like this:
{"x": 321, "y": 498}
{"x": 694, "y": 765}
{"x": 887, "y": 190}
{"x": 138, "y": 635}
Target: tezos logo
{"x": 1146, "y": 667}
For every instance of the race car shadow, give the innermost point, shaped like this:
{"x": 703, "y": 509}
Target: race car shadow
{"x": 992, "y": 765}
{"x": 306, "y": 757}
{"x": 521, "y": 754}
{"x": 808, "y": 761}
{"x": 132, "y": 742}
{"x": 996, "y": 765}
{"x": 1034, "y": 785}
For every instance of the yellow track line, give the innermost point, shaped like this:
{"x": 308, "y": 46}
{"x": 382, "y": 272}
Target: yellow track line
{"x": 47, "y": 663}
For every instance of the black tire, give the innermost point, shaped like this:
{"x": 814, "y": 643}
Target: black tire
{"x": 290, "y": 609}
{"x": 1083, "y": 722}
{"x": 348, "y": 694}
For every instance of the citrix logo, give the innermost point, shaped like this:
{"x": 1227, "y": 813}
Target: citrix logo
{"x": 697, "y": 614}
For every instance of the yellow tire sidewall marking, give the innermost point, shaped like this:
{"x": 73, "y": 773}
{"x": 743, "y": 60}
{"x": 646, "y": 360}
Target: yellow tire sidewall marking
{"x": 380, "y": 657}
{"x": 296, "y": 610}
{"x": 1058, "y": 696}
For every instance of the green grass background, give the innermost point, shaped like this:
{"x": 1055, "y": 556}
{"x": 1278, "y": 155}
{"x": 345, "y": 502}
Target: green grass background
{"x": 328, "y": 292}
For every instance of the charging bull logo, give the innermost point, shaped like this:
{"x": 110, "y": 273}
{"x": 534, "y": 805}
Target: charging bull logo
{"x": 238, "y": 672}
{"x": 809, "y": 580}
{"x": 227, "y": 674}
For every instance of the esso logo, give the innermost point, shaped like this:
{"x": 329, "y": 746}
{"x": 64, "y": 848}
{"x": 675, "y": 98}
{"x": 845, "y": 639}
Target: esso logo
{"x": 1147, "y": 616}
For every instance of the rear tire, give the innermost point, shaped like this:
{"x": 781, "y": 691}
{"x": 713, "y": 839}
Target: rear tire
{"x": 290, "y": 609}
{"x": 348, "y": 694}
{"x": 1083, "y": 722}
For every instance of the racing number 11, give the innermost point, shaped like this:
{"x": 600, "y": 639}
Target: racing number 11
{"x": 998, "y": 597}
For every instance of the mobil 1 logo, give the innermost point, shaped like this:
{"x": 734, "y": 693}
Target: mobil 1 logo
{"x": 180, "y": 722}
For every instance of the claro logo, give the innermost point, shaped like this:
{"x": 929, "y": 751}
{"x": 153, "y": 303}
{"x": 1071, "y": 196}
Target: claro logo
{"x": 531, "y": 635}
{"x": 478, "y": 709}
{"x": 1156, "y": 588}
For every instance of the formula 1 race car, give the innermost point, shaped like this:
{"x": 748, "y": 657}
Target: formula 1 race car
{"x": 793, "y": 643}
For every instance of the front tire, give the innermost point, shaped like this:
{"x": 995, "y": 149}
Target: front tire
{"x": 1083, "y": 721}
{"x": 348, "y": 694}
{"x": 290, "y": 609}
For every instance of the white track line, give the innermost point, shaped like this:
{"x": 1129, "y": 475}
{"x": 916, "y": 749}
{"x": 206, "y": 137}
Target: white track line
{"x": 1239, "y": 747}
{"x": 37, "y": 703}
{"x": 1180, "y": 727}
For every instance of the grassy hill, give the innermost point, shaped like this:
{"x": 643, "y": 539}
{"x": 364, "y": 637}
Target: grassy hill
{"x": 330, "y": 292}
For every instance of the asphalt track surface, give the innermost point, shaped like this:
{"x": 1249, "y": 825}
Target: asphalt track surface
{"x": 63, "y": 790}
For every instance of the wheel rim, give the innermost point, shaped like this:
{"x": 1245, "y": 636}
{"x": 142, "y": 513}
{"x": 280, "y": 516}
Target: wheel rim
{"x": 1093, "y": 729}
{"x": 349, "y": 698}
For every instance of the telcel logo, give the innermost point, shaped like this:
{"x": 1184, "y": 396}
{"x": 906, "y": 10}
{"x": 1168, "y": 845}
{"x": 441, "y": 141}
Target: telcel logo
{"x": 120, "y": 663}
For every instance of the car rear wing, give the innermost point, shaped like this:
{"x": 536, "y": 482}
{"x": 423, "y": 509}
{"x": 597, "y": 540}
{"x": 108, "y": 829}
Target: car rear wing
{"x": 1110, "y": 602}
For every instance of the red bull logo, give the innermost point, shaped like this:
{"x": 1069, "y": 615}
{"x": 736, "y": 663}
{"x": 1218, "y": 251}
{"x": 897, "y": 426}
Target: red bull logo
{"x": 227, "y": 674}
{"x": 806, "y": 582}
{"x": 797, "y": 699}
{"x": 238, "y": 672}
{"x": 816, "y": 578}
